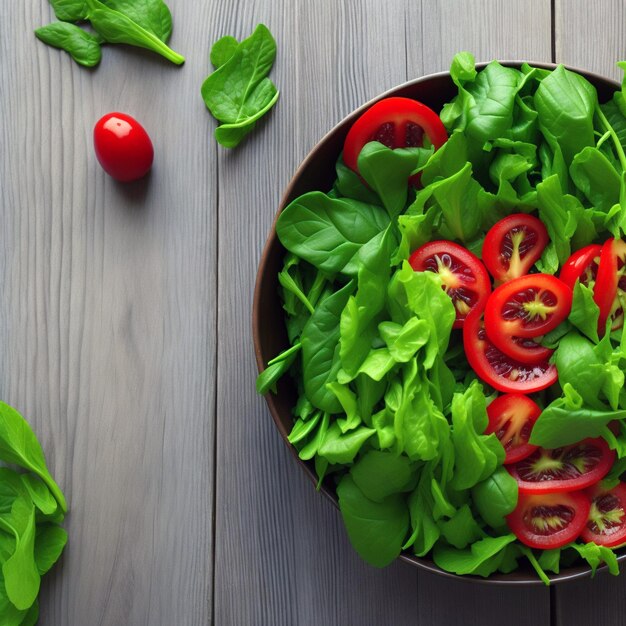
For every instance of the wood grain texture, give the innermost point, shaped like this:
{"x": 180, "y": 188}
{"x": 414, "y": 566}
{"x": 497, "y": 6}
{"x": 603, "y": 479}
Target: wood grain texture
{"x": 282, "y": 557}
{"x": 108, "y": 319}
{"x": 602, "y": 28}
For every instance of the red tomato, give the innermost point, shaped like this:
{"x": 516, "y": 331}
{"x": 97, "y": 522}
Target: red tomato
{"x": 464, "y": 277}
{"x": 512, "y": 246}
{"x": 526, "y": 307}
{"x": 583, "y": 266}
{"x": 123, "y": 147}
{"x": 610, "y": 291}
{"x": 523, "y": 350}
{"x": 511, "y": 418}
{"x": 498, "y": 370}
{"x": 569, "y": 468}
{"x": 396, "y": 123}
{"x": 549, "y": 520}
{"x": 606, "y": 524}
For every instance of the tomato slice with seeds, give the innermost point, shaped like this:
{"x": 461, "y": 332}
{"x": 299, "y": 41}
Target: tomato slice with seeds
{"x": 526, "y": 307}
{"x": 569, "y": 468}
{"x": 512, "y": 417}
{"x": 464, "y": 277}
{"x": 606, "y": 524}
{"x": 610, "y": 290}
{"x": 395, "y": 122}
{"x": 582, "y": 266}
{"x": 496, "y": 368}
{"x": 549, "y": 520}
{"x": 512, "y": 246}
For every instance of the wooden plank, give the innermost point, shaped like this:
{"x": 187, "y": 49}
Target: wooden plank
{"x": 591, "y": 36}
{"x": 282, "y": 557}
{"x": 107, "y": 319}
{"x": 279, "y": 545}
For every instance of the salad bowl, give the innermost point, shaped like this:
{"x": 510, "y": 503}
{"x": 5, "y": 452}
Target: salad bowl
{"x": 317, "y": 172}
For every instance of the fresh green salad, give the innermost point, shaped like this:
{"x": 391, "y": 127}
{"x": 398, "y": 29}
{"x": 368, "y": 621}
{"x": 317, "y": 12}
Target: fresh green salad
{"x": 454, "y": 308}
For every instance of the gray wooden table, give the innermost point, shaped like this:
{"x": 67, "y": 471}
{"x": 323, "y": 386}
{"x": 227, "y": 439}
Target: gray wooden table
{"x": 125, "y": 314}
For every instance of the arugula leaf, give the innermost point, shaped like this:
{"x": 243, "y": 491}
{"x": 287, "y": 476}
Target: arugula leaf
{"x": 83, "y": 47}
{"x": 238, "y": 93}
{"x": 461, "y": 529}
{"x": 376, "y": 529}
{"x": 481, "y": 558}
{"x": 585, "y": 312}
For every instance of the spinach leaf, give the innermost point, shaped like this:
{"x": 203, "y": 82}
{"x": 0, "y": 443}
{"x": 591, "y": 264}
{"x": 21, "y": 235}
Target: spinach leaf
{"x": 595, "y": 555}
{"x": 152, "y": 15}
{"x": 329, "y": 232}
{"x": 70, "y": 10}
{"x": 222, "y": 50}
{"x": 421, "y": 504}
{"x": 309, "y": 449}
{"x": 495, "y": 497}
{"x": 83, "y": 47}
{"x": 566, "y": 420}
{"x": 341, "y": 448}
{"x": 376, "y": 529}
{"x": 238, "y": 93}
{"x": 403, "y": 341}
{"x": 350, "y": 185}
{"x": 387, "y": 172}
{"x": 565, "y": 103}
{"x": 594, "y": 175}
{"x": 19, "y": 445}
{"x": 117, "y": 27}
{"x": 379, "y": 474}
{"x": 320, "y": 350}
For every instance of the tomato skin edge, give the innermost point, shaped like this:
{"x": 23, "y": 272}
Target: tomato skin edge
{"x": 619, "y": 536}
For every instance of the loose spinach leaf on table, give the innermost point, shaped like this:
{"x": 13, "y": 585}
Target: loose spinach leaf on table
{"x": 238, "y": 93}
{"x": 83, "y": 47}
{"x": 142, "y": 23}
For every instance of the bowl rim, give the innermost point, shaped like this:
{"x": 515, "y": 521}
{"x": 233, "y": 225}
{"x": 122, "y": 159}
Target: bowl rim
{"x": 569, "y": 573}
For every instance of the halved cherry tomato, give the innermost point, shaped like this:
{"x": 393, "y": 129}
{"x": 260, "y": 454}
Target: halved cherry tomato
{"x": 583, "y": 266}
{"x": 523, "y": 350}
{"x": 511, "y": 418}
{"x": 526, "y": 307}
{"x": 606, "y": 524}
{"x": 512, "y": 246}
{"x": 498, "y": 370}
{"x": 569, "y": 468}
{"x": 464, "y": 277}
{"x": 549, "y": 520}
{"x": 610, "y": 290}
{"x": 395, "y": 122}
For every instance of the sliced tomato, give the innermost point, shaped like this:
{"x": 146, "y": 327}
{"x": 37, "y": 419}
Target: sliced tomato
{"x": 526, "y": 307}
{"x": 513, "y": 245}
{"x": 496, "y": 368}
{"x": 396, "y": 123}
{"x": 569, "y": 468}
{"x": 610, "y": 290}
{"x": 582, "y": 266}
{"x": 549, "y": 520}
{"x": 464, "y": 277}
{"x": 606, "y": 524}
{"x": 512, "y": 417}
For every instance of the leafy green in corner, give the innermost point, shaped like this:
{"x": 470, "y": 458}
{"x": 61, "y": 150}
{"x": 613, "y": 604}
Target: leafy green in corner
{"x": 239, "y": 93}
{"x": 146, "y": 24}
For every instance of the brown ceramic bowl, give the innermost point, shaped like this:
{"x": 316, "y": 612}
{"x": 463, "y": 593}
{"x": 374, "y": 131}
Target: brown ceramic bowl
{"x": 317, "y": 172}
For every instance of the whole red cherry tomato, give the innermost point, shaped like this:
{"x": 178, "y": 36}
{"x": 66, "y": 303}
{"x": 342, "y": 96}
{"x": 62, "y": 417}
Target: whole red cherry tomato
{"x": 123, "y": 147}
